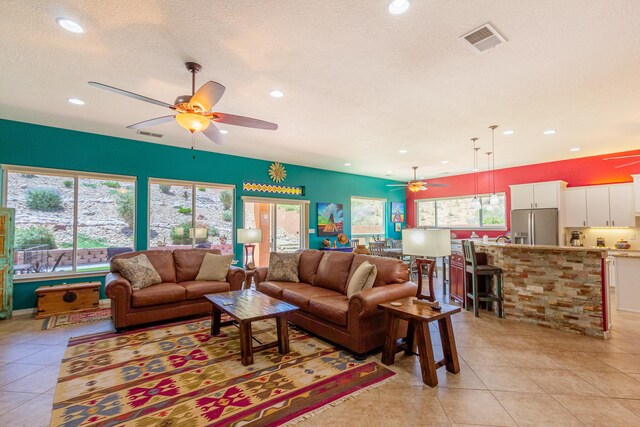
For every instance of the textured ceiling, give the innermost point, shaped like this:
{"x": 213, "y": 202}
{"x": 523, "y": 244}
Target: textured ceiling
{"x": 359, "y": 83}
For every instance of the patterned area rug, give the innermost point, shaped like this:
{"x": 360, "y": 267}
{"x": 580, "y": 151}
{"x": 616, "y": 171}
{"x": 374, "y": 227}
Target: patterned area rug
{"x": 76, "y": 318}
{"x": 179, "y": 375}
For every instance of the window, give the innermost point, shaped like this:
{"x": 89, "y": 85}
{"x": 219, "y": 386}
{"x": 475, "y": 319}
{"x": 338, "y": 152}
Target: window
{"x": 367, "y": 216}
{"x": 69, "y": 222}
{"x": 458, "y": 213}
{"x": 187, "y": 214}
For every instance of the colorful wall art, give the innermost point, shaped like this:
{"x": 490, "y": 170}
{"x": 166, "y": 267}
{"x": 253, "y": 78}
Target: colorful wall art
{"x": 397, "y": 212}
{"x": 330, "y": 219}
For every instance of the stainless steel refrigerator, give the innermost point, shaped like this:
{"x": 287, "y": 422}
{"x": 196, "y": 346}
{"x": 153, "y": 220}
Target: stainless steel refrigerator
{"x": 534, "y": 226}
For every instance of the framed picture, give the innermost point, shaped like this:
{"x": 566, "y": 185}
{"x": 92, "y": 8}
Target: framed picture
{"x": 398, "y": 226}
{"x": 330, "y": 219}
{"x": 397, "y": 212}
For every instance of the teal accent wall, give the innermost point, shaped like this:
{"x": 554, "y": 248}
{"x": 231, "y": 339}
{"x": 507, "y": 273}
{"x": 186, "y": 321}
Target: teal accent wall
{"x": 25, "y": 144}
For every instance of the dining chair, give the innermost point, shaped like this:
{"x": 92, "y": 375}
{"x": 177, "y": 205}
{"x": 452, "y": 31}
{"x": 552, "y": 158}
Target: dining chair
{"x": 354, "y": 243}
{"x": 377, "y": 248}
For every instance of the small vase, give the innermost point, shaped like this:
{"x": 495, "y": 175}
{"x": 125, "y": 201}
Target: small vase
{"x": 361, "y": 249}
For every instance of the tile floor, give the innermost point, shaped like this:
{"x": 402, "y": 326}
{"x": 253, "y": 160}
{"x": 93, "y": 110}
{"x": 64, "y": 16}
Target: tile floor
{"x": 511, "y": 374}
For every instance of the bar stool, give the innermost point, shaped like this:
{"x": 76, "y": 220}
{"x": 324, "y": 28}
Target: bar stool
{"x": 475, "y": 270}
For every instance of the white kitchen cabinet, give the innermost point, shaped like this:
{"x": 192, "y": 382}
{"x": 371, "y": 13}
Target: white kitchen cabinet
{"x": 627, "y": 289}
{"x": 621, "y": 205}
{"x": 575, "y": 207}
{"x": 539, "y": 195}
{"x": 636, "y": 191}
{"x": 606, "y": 206}
{"x": 598, "y": 206}
{"x": 611, "y": 271}
{"x": 522, "y": 196}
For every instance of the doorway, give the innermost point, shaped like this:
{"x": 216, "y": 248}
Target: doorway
{"x": 284, "y": 225}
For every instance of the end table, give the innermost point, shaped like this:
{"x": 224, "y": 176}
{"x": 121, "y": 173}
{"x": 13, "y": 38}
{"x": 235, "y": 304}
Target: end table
{"x": 250, "y": 272}
{"x": 419, "y": 315}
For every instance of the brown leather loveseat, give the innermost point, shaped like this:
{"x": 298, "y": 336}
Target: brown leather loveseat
{"x": 356, "y": 324}
{"x": 178, "y": 295}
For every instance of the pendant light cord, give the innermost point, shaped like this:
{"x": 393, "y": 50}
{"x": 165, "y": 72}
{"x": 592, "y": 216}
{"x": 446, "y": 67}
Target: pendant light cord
{"x": 493, "y": 158}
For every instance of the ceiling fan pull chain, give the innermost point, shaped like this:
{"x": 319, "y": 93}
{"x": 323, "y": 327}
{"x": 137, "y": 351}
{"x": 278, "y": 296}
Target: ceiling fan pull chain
{"x": 193, "y": 143}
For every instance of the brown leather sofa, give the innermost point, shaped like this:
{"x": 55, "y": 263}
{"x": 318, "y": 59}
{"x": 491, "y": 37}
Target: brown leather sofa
{"x": 356, "y": 324}
{"x": 178, "y": 295}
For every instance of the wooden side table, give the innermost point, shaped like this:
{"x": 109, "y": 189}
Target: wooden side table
{"x": 419, "y": 316}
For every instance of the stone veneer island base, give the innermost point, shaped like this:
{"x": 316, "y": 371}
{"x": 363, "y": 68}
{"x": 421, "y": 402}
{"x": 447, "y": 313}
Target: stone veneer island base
{"x": 556, "y": 287}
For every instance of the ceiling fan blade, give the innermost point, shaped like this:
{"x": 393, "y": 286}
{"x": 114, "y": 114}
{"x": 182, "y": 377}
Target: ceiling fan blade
{"x": 130, "y": 94}
{"x": 627, "y": 164}
{"x": 208, "y": 95}
{"x": 151, "y": 122}
{"x": 435, "y": 185}
{"x": 213, "y": 133}
{"x": 396, "y": 185}
{"x": 247, "y": 122}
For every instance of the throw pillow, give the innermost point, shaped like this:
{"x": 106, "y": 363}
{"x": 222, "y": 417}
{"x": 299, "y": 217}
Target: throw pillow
{"x": 363, "y": 278}
{"x": 283, "y": 267}
{"x": 214, "y": 267}
{"x": 139, "y": 271}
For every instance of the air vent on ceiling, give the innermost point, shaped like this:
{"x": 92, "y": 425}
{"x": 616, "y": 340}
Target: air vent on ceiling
{"x": 483, "y": 38}
{"x": 145, "y": 133}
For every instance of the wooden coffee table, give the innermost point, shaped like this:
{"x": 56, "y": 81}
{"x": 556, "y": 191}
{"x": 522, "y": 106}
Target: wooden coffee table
{"x": 419, "y": 316}
{"x": 246, "y": 306}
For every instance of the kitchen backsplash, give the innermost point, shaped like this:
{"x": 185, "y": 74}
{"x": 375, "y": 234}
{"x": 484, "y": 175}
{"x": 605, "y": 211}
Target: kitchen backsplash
{"x": 610, "y": 235}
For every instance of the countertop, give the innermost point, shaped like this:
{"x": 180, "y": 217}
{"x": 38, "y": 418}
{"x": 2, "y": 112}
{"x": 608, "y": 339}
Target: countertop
{"x": 625, "y": 253}
{"x": 541, "y": 247}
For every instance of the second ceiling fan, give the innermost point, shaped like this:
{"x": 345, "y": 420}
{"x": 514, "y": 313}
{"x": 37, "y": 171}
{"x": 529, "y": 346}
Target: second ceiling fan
{"x": 194, "y": 112}
{"x": 416, "y": 184}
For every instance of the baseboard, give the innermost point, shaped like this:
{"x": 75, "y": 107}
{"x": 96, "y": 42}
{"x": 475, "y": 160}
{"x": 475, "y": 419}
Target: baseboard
{"x": 104, "y": 303}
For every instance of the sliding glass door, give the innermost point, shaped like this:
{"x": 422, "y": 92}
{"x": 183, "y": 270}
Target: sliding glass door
{"x": 284, "y": 225}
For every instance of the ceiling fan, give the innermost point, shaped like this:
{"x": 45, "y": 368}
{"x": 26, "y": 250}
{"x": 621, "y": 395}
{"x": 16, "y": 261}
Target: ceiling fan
{"x": 193, "y": 112}
{"x": 624, "y": 157}
{"x": 416, "y": 184}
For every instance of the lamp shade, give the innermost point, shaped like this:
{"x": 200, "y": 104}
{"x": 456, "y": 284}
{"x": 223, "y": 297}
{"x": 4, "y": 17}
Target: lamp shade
{"x": 249, "y": 235}
{"x": 427, "y": 243}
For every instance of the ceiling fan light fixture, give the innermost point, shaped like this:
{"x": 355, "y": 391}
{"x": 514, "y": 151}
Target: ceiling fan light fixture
{"x": 193, "y": 122}
{"x": 414, "y": 187}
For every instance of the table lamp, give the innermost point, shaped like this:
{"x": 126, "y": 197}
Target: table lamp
{"x": 425, "y": 243}
{"x": 249, "y": 236}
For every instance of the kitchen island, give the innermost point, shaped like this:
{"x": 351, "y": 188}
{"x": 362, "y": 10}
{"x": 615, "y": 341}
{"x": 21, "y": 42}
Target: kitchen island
{"x": 553, "y": 286}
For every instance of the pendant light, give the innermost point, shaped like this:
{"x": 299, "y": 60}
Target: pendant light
{"x": 489, "y": 207}
{"x": 475, "y": 203}
{"x": 493, "y": 200}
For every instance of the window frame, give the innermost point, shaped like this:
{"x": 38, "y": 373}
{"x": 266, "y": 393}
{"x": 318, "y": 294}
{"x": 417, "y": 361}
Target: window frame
{"x": 384, "y": 216}
{"x": 194, "y": 188}
{"x": 479, "y": 227}
{"x": 76, "y": 175}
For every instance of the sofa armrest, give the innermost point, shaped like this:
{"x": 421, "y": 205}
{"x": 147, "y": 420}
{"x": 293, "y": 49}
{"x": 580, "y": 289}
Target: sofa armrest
{"x": 261, "y": 274}
{"x": 235, "y": 278}
{"x": 117, "y": 287}
{"x": 365, "y": 303}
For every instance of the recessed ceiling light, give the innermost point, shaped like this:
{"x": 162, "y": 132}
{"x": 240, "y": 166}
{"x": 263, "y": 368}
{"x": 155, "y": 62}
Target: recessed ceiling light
{"x": 76, "y": 101}
{"x": 224, "y": 131}
{"x": 508, "y": 132}
{"x": 444, "y": 162}
{"x": 444, "y": 173}
{"x": 70, "y": 25}
{"x": 402, "y": 151}
{"x": 574, "y": 149}
{"x": 475, "y": 170}
{"x": 389, "y": 172}
{"x": 347, "y": 164}
{"x": 398, "y": 7}
{"x": 422, "y": 177}
{"x": 549, "y": 132}
{"x": 277, "y": 93}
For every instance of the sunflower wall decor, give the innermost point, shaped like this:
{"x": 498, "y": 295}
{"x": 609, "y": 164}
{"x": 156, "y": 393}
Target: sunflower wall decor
{"x": 277, "y": 172}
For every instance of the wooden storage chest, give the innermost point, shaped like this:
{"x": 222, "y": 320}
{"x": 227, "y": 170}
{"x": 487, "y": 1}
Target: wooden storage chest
{"x": 60, "y": 299}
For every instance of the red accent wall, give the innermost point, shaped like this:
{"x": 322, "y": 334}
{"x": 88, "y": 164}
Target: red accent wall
{"x": 576, "y": 172}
